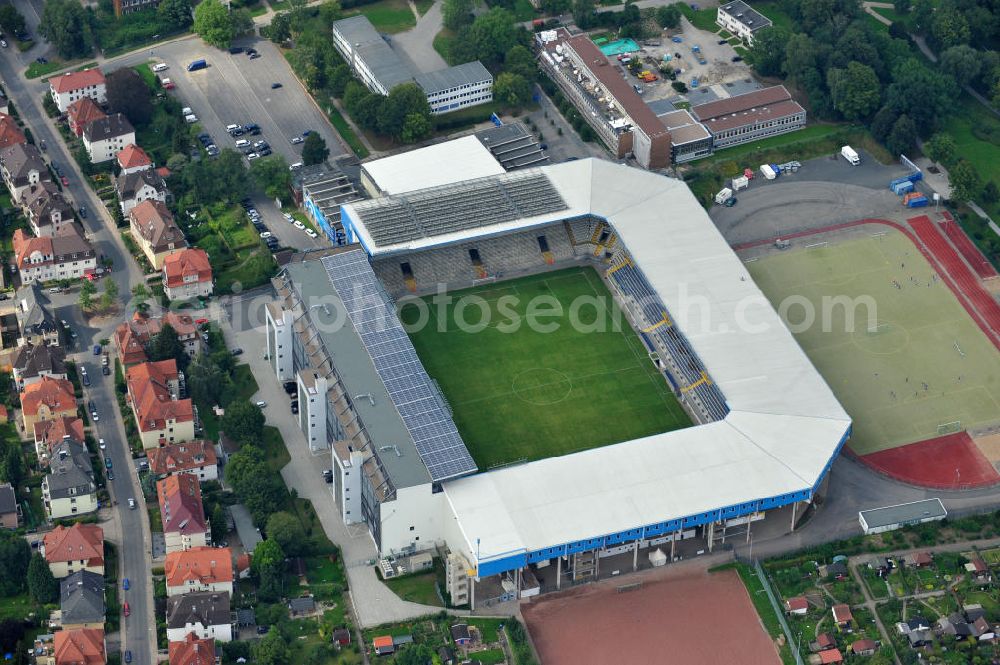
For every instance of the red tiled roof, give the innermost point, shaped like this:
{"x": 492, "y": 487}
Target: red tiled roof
{"x": 181, "y": 509}
{"x": 863, "y": 645}
{"x": 192, "y": 651}
{"x": 77, "y": 80}
{"x": 177, "y": 267}
{"x": 132, "y": 156}
{"x": 132, "y": 336}
{"x": 57, "y": 394}
{"x": 82, "y": 112}
{"x": 51, "y": 432}
{"x": 831, "y": 656}
{"x": 83, "y": 646}
{"x": 25, "y": 245}
{"x": 243, "y": 562}
{"x": 179, "y": 457}
{"x": 80, "y": 541}
{"x": 154, "y": 223}
{"x": 797, "y": 603}
{"x": 382, "y": 641}
{"x": 10, "y": 133}
{"x": 150, "y": 393}
{"x": 842, "y": 613}
{"x": 207, "y": 565}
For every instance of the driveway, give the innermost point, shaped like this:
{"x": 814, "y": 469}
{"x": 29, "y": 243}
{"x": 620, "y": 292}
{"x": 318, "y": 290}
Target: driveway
{"x": 417, "y": 43}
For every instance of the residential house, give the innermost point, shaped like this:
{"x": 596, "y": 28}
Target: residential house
{"x": 83, "y": 646}
{"x": 133, "y": 159}
{"x": 154, "y": 230}
{"x": 105, "y": 137}
{"x": 383, "y": 645}
{"x": 21, "y": 166}
{"x": 49, "y": 433}
{"x": 917, "y": 631}
{"x": 63, "y": 256}
{"x": 47, "y": 210}
{"x": 187, "y": 274}
{"x": 140, "y": 185}
{"x": 69, "y": 488}
{"x": 70, "y": 87}
{"x": 199, "y": 569}
{"x": 78, "y": 547}
{"x": 131, "y": 337}
{"x": 973, "y": 611}
{"x": 446, "y": 655}
{"x": 153, "y": 392}
{"x": 34, "y": 321}
{"x": 47, "y": 399}
{"x": 9, "y": 511}
{"x": 10, "y": 132}
{"x": 31, "y": 362}
{"x": 341, "y": 637}
{"x": 798, "y": 605}
{"x": 829, "y": 657}
{"x": 195, "y": 457}
{"x": 978, "y": 570}
{"x": 192, "y": 651}
{"x": 243, "y": 566}
{"x": 842, "y": 616}
{"x": 823, "y": 642}
{"x": 81, "y": 600}
{"x": 81, "y": 113}
{"x": 919, "y": 559}
{"x": 204, "y": 613}
{"x": 182, "y": 513}
{"x": 301, "y": 607}
{"x": 836, "y": 570}
{"x": 881, "y": 565}
{"x": 864, "y": 647}
{"x": 461, "y": 634}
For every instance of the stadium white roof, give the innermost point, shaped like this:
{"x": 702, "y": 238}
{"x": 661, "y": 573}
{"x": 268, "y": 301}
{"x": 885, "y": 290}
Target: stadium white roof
{"x": 440, "y": 164}
{"x": 784, "y": 424}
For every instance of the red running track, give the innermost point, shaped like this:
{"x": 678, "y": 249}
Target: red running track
{"x": 967, "y": 283}
{"x": 947, "y": 462}
{"x": 967, "y": 248}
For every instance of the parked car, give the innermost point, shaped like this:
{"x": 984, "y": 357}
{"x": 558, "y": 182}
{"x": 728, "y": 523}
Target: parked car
{"x": 298, "y": 224}
{"x": 101, "y": 444}
{"x": 107, "y": 462}
{"x": 125, "y": 580}
{"x": 111, "y": 474}
{"x": 237, "y": 351}
{"x": 84, "y": 377}
{"x": 126, "y": 610}
{"x": 83, "y": 212}
{"x": 65, "y": 181}
{"x": 275, "y": 86}
{"x": 311, "y": 233}
{"x": 296, "y": 140}
{"x": 106, "y": 371}
{"x": 97, "y": 349}
{"x": 131, "y": 503}
{"x": 261, "y": 404}
{"x": 128, "y": 656}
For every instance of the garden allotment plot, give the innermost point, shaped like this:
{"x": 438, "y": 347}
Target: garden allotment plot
{"x": 527, "y": 394}
{"x": 923, "y": 370}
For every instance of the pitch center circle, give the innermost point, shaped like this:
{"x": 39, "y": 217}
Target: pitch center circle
{"x": 542, "y": 386}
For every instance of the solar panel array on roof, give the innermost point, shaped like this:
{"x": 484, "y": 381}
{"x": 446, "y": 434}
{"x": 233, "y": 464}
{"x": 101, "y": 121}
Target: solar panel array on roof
{"x": 472, "y": 204}
{"x": 430, "y": 425}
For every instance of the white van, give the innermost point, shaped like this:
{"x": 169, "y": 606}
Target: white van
{"x": 186, "y": 110}
{"x": 243, "y": 143}
{"x": 190, "y": 118}
{"x": 296, "y": 165}
{"x": 159, "y": 67}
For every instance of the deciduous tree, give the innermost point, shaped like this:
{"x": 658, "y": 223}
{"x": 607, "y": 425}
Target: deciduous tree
{"x": 129, "y": 94}
{"x": 456, "y": 13}
{"x": 941, "y": 148}
{"x": 403, "y": 100}
{"x": 314, "y": 150}
{"x": 855, "y": 91}
{"x": 902, "y": 137}
{"x": 767, "y": 55}
{"x": 213, "y": 23}
{"x": 243, "y": 422}
{"x": 64, "y": 23}
{"x": 949, "y": 28}
{"x": 511, "y": 89}
{"x": 668, "y": 16}
{"x": 287, "y": 530}
{"x": 206, "y": 381}
{"x": 15, "y": 556}
{"x": 175, "y": 15}
{"x": 166, "y": 345}
{"x": 271, "y": 174}
{"x": 965, "y": 182}
{"x": 963, "y": 62}
{"x": 11, "y": 20}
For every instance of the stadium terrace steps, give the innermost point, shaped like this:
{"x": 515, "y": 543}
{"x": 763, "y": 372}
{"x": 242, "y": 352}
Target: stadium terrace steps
{"x": 969, "y": 288}
{"x": 967, "y": 248}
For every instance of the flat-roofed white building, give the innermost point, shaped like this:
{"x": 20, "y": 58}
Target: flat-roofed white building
{"x": 457, "y": 87}
{"x": 451, "y": 161}
{"x": 741, "y": 19}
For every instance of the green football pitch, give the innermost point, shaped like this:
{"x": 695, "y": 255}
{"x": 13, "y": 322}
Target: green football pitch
{"x": 922, "y": 369}
{"x": 518, "y": 392}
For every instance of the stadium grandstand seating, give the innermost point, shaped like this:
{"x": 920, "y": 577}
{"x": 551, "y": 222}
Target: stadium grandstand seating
{"x": 440, "y": 210}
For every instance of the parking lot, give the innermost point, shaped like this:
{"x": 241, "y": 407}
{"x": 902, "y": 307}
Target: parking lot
{"x": 234, "y": 89}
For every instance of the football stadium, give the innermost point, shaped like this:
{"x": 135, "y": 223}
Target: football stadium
{"x": 673, "y": 404}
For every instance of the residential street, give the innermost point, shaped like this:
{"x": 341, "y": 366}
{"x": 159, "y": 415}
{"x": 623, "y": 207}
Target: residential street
{"x": 139, "y": 630}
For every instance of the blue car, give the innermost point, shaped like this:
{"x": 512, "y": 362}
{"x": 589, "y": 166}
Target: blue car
{"x": 125, "y": 584}
{"x": 128, "y": 656}
{"x": 97, "y": 349}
